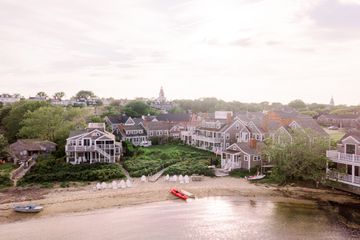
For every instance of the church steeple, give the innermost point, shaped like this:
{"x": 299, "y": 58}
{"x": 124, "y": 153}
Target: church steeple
{"x": 161, "y": 94}
{"x": 332, "y": 102}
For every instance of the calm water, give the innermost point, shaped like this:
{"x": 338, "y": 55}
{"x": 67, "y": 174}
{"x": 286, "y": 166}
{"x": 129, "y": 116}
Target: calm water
{"x": 211, "y": 218}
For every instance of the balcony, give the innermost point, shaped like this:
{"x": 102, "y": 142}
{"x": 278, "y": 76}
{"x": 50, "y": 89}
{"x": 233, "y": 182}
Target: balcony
{"x": 344, "y": 178}
{"x": 339, "y": 157}
{"x": 206, "y": 139}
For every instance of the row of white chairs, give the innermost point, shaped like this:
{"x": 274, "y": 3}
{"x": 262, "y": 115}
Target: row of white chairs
{"x": 114, "y": 185}
{"x": 182, "y": 179}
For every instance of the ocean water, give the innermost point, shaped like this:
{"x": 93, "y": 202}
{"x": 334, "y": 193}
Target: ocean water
{"x": 208, "y": 218}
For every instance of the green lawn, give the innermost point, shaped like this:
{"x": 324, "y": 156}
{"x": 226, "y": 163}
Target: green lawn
{"x": 5, "y": 170}
{"x": 148, "y": 161}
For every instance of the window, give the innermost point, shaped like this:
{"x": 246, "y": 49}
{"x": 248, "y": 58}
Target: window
{"x": 257, "y": 158}
{"x": 86, "y": 142}
{"x": 350, "y": 149}
{"x": 246, "y": 158}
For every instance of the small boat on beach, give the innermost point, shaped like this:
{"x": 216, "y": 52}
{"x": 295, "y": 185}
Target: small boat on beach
{"x": 188, "y": 194}
{"x": 178, "y": 194}
{"x": 256, "y": 177}
{"x": 29, "y": 208}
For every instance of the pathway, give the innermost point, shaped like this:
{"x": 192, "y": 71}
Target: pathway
{"x": 20, "y": 172}
{"x": 219, "y": 172}
{"x": 125, "y": 171}
{"x": 157, "y": 175}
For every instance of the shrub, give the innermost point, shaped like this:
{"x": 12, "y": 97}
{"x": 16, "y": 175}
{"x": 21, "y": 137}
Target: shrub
{"x": 49, "y": 169}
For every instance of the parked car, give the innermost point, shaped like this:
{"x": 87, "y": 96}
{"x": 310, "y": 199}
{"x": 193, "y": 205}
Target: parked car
{"x": 145, "y": 144}
{"x": 333, "y": 128}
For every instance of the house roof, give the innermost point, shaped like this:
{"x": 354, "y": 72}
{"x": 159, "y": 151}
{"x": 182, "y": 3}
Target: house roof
{"x": 151, "y": 126}
{"x": 117, "y": 119}
{"x": 174, "y": 117}
{"x": 245, "y": 147}
{"x": 355, "y": 134}
{"x": 341, "y": 116}
{"x": 311, "y": 124}
{"x": 31, "y": 145}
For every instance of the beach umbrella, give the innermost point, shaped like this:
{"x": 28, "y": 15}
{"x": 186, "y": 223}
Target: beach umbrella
{"x": 128, "y": 183}
{"x": 187, "y": 179}
{"x": 98, "y": 186}
{"x": 175, "y": 178}
{"x": 167, "y": 177}
{"x": 103, "y": 185}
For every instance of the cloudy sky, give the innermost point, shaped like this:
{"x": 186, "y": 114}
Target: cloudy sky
{"x": 246, "y": 50}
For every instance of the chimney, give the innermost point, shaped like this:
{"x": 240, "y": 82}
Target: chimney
{"x": 229, "y": 118}
{"x": 252, "y": 143}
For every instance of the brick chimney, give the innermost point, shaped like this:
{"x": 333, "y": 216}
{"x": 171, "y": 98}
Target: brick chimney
{"x": 252, "y": 143}
{"x": 229, "y": 118}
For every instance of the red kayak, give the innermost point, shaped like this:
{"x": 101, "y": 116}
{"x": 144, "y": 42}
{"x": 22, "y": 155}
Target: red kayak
{"x": 178, "y": 194}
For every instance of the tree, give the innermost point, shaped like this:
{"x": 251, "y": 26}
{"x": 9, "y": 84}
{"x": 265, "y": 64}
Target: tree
{"x": 138, "y": 108}
{"x": 3, "y": 145}
{"x": 84, "y": 94}
{"x": 303, "y": 158}
{"x": 177, "y": 110}
{"x": 16, "y": 114}
{"x": 59, "y": 95}
{"x": 297, "y": 104}
{"x": 51, "y": 123}
{"x": 42, "y": 95}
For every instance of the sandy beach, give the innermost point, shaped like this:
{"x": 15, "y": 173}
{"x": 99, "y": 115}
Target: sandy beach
{"x": 80, "y": 199}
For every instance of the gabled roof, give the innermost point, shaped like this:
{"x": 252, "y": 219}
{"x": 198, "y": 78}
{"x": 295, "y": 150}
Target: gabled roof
{"x": 353, "y": 134}
{"x": 152, "y": 126}
{"x": 341, "y": 116}
{"x": 245, "y": 148}
{"x": 174, "y": 117}
{"x": 117, "y": 119}
{"x": 311, "y": 124}
{"x": 31, "y": 145}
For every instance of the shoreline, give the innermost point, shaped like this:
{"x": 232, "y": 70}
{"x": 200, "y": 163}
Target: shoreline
{"x": 59, "y": 201}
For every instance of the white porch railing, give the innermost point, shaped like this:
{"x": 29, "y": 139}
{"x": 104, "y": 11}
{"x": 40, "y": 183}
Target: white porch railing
{"x": 345, "y": 158}
{"x": 344, "y": 178}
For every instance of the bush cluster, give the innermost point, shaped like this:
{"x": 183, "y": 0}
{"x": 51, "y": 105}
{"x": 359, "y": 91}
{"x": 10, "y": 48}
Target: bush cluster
{"x": 189, "y": 167}
{"x": 49, "y": 169}
{"x": 148, "y": 161}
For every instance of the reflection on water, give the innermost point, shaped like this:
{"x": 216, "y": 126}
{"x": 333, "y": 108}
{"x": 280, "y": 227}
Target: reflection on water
{"x": 211, "y": 218}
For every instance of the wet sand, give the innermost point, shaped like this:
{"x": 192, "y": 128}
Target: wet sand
{"x": 81, "y": 199}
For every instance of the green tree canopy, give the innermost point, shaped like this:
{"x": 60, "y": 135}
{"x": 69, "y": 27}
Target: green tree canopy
{"x": 138, "y": 108}
{"x": 297, "y": 104}
{"x": 301, "y": 159}
{"x": 85, "y": 94}
{"x": 42, "y": 95}
{"x": 15, "y": 115}
{"x": 3, "y": 145}
{"x": 59, "y": 95}
{"x": 51, "y": 123}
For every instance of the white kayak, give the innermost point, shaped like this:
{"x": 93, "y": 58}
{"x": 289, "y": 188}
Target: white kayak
{"x": 29, "y": 208}
{"x": 257, "y": 177}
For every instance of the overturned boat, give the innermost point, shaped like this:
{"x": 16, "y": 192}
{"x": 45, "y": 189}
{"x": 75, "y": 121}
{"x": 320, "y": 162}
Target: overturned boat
{"x": 29, "y": 208}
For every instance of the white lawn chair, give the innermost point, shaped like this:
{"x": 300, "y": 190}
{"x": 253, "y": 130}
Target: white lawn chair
{"x": 187, "y": 179}
{"x": 122, "y": 184}
{"x": 128, "y": 183}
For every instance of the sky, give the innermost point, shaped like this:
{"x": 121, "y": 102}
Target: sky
{"x": 244, "y": 50}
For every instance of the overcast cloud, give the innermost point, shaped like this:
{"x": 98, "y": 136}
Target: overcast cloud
{"x": 251, "y": 51}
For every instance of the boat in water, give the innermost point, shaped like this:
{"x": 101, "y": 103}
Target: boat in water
{"x": 29, "y": 208}
{"x": 178, "y": 194}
